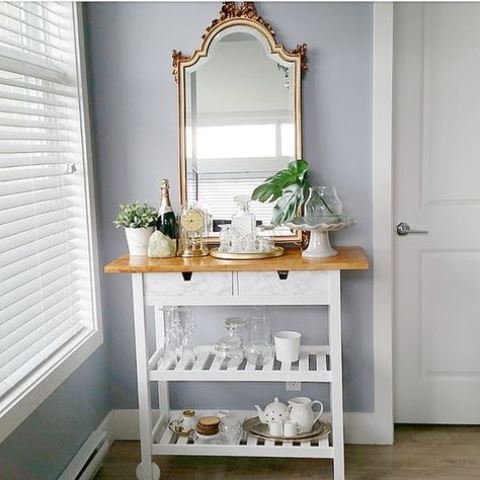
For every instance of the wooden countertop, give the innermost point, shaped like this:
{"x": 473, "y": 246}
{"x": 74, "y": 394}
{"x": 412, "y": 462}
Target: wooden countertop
{"x": 348, "y": 258}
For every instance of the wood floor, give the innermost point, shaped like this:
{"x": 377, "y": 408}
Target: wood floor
{"x": 419, "y": 453}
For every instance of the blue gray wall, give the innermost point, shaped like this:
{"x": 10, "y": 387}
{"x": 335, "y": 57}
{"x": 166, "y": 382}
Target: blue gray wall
{"x": 135, "y": 120}
{"x": 43, "y": 445}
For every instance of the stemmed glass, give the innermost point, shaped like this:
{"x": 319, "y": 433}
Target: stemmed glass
{"x": 189, "y": 341}
{"x": 173, "y": 337}
{"x": 181, "y": 332}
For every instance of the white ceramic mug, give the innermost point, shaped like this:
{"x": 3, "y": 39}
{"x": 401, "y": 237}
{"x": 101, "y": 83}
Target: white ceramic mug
{"x": 276, "y": 428}
{"x": 290, "y": 429}
{"x": 287, "y": 346}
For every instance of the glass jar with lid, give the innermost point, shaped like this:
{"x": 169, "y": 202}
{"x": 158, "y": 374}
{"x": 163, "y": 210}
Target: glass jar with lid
{"x": 231, "y": 348}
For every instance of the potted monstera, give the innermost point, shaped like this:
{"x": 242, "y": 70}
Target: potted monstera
{"x": 138, "y": 220}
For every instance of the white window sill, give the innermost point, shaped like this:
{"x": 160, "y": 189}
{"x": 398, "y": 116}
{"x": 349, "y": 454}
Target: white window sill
{"x": 25, "y": 398}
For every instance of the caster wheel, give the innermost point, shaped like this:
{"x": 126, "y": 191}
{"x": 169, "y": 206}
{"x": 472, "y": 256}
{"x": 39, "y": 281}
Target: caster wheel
{"x": 155, "y": 470}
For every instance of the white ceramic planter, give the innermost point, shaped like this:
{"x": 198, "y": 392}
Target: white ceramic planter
{"x": 137, "y": 239}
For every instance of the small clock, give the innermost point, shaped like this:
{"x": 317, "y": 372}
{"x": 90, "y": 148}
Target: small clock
{"x": 192, "y": 229}
{"x": 192, "y": 220}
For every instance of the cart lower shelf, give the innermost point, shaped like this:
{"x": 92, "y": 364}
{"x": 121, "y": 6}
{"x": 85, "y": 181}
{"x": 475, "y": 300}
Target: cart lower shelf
{"x": 169, "y": 443}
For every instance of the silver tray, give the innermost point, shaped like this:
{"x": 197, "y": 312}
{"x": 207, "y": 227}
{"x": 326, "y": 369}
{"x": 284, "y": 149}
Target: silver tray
{"x": 260, "y": 430}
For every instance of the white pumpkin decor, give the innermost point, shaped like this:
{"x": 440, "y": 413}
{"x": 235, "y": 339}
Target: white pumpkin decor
{"x": 160, "y": 246}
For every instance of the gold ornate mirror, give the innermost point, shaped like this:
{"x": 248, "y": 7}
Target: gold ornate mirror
{"x": 240, "y": 114}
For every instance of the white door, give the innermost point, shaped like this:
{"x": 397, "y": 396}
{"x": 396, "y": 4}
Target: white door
{"x": 437, "y": 188}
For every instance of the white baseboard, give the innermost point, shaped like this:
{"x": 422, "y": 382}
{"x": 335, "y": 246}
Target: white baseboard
{"x": 360, "y": 428}
{"x": 108, "y": 426}
{"x": 88, "y": 460}
{"x": 366, "y": 429}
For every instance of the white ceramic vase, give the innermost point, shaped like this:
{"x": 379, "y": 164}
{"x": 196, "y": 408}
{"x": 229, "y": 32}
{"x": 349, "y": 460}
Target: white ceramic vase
{"x": 137, "y": 239}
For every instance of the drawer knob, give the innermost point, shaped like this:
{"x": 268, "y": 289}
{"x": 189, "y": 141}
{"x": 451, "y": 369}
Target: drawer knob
{"x": 282, "y": 274}
{"x": 187, "y": 276}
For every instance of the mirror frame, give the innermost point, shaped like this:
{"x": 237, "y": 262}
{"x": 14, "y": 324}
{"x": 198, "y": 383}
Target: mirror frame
{"x": 231, "y": 15}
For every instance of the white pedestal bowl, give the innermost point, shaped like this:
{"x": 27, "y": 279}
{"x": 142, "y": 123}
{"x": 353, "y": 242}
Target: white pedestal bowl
{"x": 319, "y": 244}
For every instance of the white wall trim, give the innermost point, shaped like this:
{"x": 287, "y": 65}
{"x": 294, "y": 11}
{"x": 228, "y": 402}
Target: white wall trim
{"x": 381, "y": 427}
{"x": 108, "y": 426}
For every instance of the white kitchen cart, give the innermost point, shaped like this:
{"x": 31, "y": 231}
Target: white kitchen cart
{"x": 287, "y": 280}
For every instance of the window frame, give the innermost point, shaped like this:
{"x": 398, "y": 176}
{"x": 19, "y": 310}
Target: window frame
{"x": 38, "y": 386}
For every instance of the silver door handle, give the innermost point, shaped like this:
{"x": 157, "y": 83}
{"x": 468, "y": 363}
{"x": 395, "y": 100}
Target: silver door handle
{"x": 403, "y": 228}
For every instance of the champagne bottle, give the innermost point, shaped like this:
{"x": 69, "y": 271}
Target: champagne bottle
{"x": 166, "y": 221}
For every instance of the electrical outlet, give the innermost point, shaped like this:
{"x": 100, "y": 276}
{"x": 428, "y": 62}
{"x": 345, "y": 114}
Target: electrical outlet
{"x": 293, "y": 386}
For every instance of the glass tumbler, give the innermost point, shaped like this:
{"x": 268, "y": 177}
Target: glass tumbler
{"x": 259, "y": 347}
{"x": 230, "y": 427}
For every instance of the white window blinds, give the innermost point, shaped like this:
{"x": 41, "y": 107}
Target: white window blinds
{"x": 45, "y": 269}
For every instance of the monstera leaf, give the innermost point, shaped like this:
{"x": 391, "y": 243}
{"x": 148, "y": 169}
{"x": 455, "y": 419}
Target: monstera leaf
{"x": 273, "y": 187}
{"x": 288, "y": 188}
{"x": 288, "y": 205}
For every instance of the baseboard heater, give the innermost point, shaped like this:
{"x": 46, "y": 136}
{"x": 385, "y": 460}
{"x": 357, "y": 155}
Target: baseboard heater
{"x": 88, "y": 460}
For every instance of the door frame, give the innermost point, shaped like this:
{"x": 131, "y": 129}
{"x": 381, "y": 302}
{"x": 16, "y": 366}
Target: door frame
{"x": 382, "y": 205}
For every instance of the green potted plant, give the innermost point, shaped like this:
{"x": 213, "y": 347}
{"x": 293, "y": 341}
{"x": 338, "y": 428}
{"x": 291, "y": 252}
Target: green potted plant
{"x": 138, "y": 220}
{"x": 288, "y": 188}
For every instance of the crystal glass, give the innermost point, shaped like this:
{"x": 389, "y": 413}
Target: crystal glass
{"x": 259, "y": 347}
{"x": 231, "y": 346}
{"x": 322, "y": 205}
{"x": 189, "y": 340}
{"x": 230, "y": 427}
{"x": 225, "y": 237}
{"x": 243, "y": 220}
{"x": 264, "y": 244}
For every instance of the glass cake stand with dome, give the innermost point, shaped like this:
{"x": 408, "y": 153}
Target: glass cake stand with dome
{"x": 323, "y": 214}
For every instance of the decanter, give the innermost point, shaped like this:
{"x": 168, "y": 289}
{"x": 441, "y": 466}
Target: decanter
{"x": 243, "y": 220}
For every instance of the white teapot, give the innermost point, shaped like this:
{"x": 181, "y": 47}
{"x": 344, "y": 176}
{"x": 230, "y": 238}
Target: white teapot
{"x": 301, "y": 412}
{"x": 274, "y": 412}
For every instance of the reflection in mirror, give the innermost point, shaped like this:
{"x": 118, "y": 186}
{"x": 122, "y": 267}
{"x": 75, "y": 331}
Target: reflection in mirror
{"x": 239, "y": 123}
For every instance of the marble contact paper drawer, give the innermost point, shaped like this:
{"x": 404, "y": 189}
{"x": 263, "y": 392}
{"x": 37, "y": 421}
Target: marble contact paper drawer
{"x": 285, "y": 283}
{"x": 191, "y": 284}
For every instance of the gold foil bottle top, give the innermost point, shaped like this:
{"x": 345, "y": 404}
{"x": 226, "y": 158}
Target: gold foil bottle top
{"x": 164, "y": 185}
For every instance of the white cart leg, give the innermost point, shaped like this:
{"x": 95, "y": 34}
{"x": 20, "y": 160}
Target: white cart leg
{"x": 336, "y": 391}
{"x": 163, "y": 398}
{"x": 146, "y": 470}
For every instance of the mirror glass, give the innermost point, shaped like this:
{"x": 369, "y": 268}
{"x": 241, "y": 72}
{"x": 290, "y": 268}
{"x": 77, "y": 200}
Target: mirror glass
{"x": 240, "y": 124}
